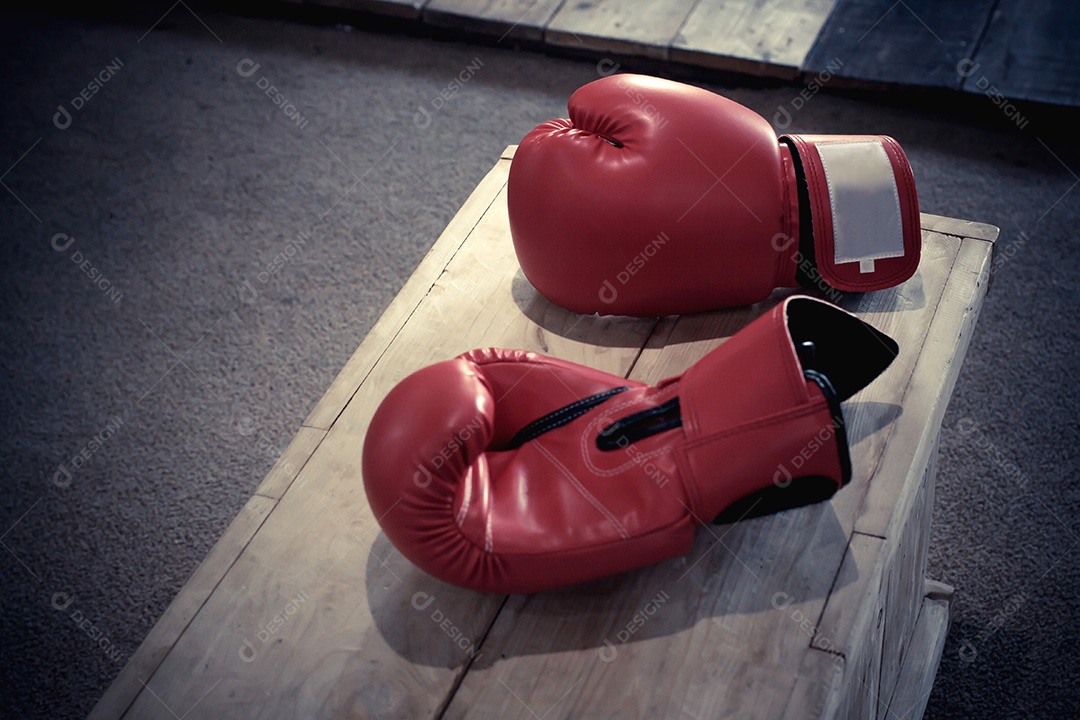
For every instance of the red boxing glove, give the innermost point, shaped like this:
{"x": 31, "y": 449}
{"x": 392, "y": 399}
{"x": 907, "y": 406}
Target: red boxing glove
{"x": 659, "y": 198}
{"x": 507, "y": 471}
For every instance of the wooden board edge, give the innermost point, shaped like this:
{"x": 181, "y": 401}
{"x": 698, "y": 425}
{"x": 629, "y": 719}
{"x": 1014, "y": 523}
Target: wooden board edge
{"x": 833, "y": 632}
{"x": 880, "y": 515}
{"x": 924, "y": 654}
{"x": 585, "y": 42}
{"x": 492, "y": 27}
{"x": 816, "y": 688}
{"x": 905, "y": 557}
{"x": 959, "y": 228}
{"x": 936, "y": 590}
{"x": 291, "y": 462}
{"x": 146, "y": 659}
{"x": 852, "y": 626}
{"x": 412, "y": 293}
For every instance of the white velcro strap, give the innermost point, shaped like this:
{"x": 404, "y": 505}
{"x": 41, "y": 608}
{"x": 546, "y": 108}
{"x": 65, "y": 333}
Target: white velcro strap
{"x": 865, "y": 204}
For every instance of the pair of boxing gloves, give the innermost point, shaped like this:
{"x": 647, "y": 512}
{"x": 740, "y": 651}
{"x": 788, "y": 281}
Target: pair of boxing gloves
{"x": 507, "y": 471}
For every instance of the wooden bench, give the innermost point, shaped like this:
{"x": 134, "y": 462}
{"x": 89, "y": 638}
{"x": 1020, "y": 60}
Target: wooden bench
{"x": 304, "y": 609}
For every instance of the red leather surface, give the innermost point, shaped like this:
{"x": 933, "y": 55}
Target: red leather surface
{"x": 694, "y": 170}
{"x": 558, "y": 510}
{"x": 655, "y": 198}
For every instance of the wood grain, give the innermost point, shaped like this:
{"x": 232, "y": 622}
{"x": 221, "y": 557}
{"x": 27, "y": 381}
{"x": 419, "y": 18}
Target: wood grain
{"x": 915, "y": 43}
{"x": 959, "y": 228}
{"x": 889, "y": 501}
{"x": 1030, "y": 52}
{"x": 1007, "y": 50}
{"x": 643, "y": 27}
{"x": 291, "y": 462}
{"x": 764, "y": 582}
{"x": 703, "y": 628}
{"x": 759, "y": 38}
{"x": 927, "y": 643}
{"x": 513, "y": 19}
{"x": 905, "y": 569}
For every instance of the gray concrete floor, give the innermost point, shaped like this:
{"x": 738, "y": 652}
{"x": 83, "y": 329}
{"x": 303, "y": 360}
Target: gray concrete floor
{"x": 139, "y": 414}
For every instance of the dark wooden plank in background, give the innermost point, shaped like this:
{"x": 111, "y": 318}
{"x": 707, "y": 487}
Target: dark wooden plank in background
{"x": 516, "y": 19}
{"x": 1000, "y": 48}
{"x": 899, "y": 42}
{"x": 1031, "y": 51}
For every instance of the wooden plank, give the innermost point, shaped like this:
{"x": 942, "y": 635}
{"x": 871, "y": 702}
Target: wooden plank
{"x": 861, "y": 687}
{"x": 1029, "y": 52}
{"x": 515, "y": 19}
{"x": 854, "y": 585}
{"x": 959, "y": 228}
{"x": 915, "y": 43}
{"x": 704, "y": 643}
{"x": 760, "y": 38}
{"x": 169, "y": 627}
{"x": 852, "y": 625}
{"x": 927, "y": 643}
{"x": 643, "y": 27}
{"x": 290, "y": 463}
{"x": 887, "y": 505}
{"x": 721, "y": 618}
{"x": 903, "y": 585}
{"x": 320, "y": 616}
{"x": 407, "y": 9}
{"x": 410, "y": 295}
{"x": 897, "y": 507}
{"x": 814, "y": 687}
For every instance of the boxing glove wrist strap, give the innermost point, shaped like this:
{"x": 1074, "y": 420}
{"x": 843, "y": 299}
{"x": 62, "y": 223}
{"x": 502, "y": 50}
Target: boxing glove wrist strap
{"x": 858, "y": 211}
